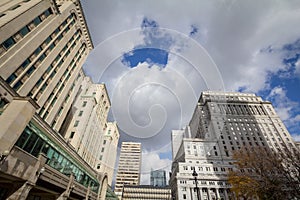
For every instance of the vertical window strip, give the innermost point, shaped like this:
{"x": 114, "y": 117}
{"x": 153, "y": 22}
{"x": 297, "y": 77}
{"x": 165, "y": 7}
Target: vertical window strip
{"x": 15, "y": 80}
{"x": 7, "y": 44}
{"x": 63, "y": 81}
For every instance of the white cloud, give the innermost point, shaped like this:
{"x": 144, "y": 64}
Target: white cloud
{"x": 296, "y": 137}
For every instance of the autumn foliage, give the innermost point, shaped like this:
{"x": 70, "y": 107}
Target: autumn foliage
{"x": 263, "y": 174}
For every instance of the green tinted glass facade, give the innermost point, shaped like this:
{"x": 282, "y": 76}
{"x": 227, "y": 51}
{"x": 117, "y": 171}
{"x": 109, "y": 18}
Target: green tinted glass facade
{"x": 35, "y": 142}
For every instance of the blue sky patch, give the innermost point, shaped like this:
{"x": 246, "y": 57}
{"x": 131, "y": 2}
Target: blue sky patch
{"x": 155, "y": 48}
{"x": 150, "y": 55}
{"x": 288, "y": 79}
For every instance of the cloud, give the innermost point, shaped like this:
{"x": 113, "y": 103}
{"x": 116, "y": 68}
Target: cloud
{"x": 283, "y": 105}
{"x": 247, "y": 42}
{"x": 286, "y": 109}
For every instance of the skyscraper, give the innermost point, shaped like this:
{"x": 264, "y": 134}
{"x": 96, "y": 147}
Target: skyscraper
{"x": 43, "y": 44}
{"x": 158, "y": 178}
{"x": 88, "y": 131}
{"x": 129, "y": 166}
{"x": 222, "y": 122}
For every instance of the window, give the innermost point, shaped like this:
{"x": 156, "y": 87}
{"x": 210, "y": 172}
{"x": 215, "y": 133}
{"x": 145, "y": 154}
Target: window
{"x": 37, "y": 51}
{"x": 9, "y": 42}
{"x": 76, "y": 123}
{"x": 184, "y": 196}
{"x": 104, "y": 141}
{"x": 72, "y": 134}
{"x": 11, "y": 78}
{"x": 84, "y": 104}
{"x": 37, "y": 21}
{"x": 47, "y": 12}
{"x": 80, "y": 113}
{"x": 24, "y": 31}
{"x": 102, "y": 150}
{"x": 14, "y": 7}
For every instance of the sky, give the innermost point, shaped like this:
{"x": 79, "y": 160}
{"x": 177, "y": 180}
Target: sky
{"x": 156, "y": 57}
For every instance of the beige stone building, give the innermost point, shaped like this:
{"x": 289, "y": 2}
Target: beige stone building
{"x": 88, "y": 131}
{"x": 109, "y": 149}
{"x": 129, "y": 166}
{"x": 222, "y": 122}
{"x": 43, "y": 44}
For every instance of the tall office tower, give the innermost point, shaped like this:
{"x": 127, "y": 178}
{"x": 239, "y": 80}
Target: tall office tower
{"x": 222, "y": 122}
{"x": 109, "y": 148}
{"x": 43, "y": 44}
{"x": 158, "y": 178}
{"x": 129, "y": 166}
{"x": 88, "y": 125}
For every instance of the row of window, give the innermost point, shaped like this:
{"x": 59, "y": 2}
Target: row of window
{"x": 61, "y": 84}
{"x": 238, "y": 109}
{"x": 37, "y": 57}
{"x": 8, "y": 43}
{"x": 53, "y": 69}
{"x": 208, "y": 169}
{"x": 31, "y": 142}
{"x": 63, "y": 105}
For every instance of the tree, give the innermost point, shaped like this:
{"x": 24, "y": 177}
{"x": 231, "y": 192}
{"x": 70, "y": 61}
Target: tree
{"x": 264, "y": 174}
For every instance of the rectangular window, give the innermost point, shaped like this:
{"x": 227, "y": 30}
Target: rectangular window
{"x": 17, "y": 85}
{"x": 72, "y": 134}
{"x": 37, "y": 51}
{"x": 30, "y": 70}
{"x": 15, "y": 7}
{"x": 47, "y": 12}
{"x": 8, "y": 43}
{"x": 102, "y": 150}
{"x": 80, "y": 113}
{"x": 104, "y": 141}
{"x": 76, "y": 123}
{"x": 24, "y": 31}
{"x": 11, "y": 78}
{"x": 84, "y": 104}
{"x": 37, "y": 21}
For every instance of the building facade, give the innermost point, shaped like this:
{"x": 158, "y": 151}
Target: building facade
{"x": 149, "y": 192}
{"x": 129, "y": 166}
{"x": 88, "y": 131}
{"x": 158, "y": 178}
{"x": 43, "y": 44}
{"x": 222, "y": 123}
{"x": 109, "y": 149}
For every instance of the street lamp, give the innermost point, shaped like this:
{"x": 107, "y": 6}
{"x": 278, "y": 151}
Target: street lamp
{"x": 196, "y": 182}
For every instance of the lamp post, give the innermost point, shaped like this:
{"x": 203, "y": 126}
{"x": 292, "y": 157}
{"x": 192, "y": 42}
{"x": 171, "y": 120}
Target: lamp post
{"x": 196, "y": 182}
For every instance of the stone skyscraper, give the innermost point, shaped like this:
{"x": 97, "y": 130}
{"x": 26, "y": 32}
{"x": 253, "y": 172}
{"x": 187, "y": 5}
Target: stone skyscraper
{"x": 43, "y": 44}
{"x": 222, "y": 122}
{"x": 129, "y": 166}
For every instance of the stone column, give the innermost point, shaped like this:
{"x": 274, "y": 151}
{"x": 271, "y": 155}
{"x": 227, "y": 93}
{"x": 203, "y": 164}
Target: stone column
{"x": 87, "y": 193}
{"x": 65, "y": 195}
{"x": 217, "y": 193}
{"x": 225, "y": 192}
{"x": 208, "y": 193}
{"x": 201, "y": 194}
{"x": 22, "y": 192}
{"x": 13, "y": 121}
